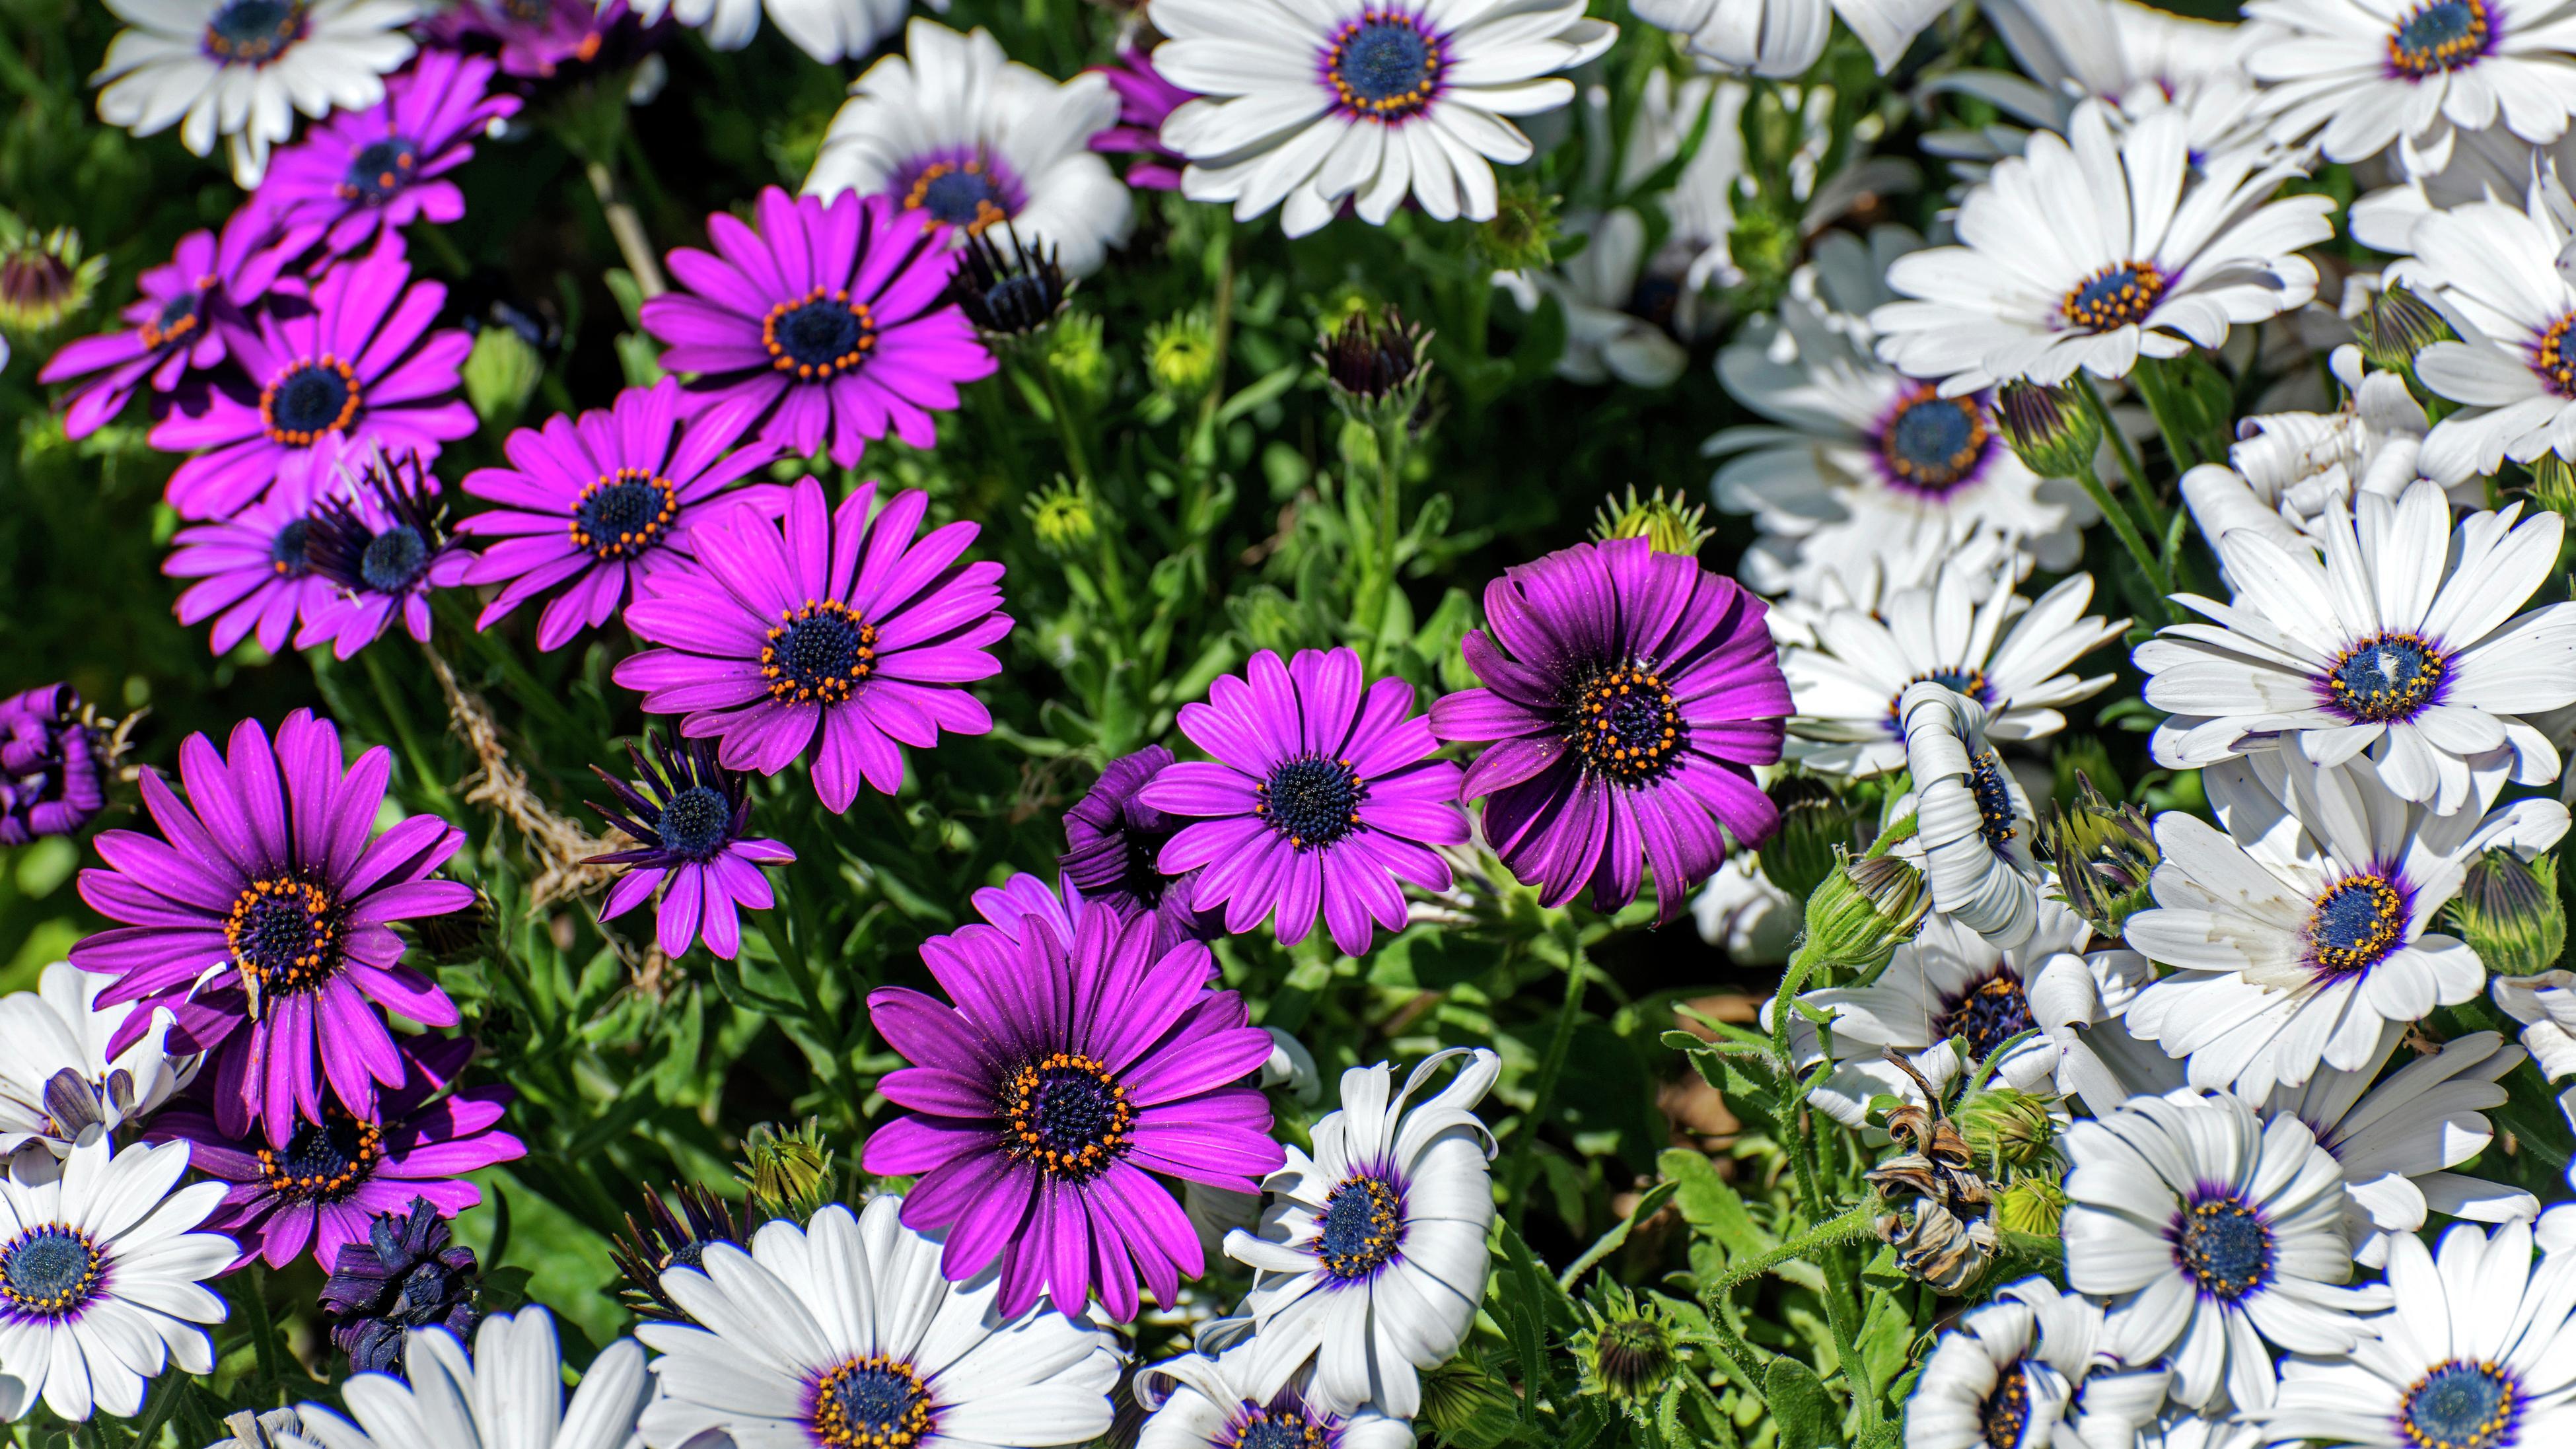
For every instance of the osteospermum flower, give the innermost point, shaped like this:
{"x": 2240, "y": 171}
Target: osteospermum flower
{"x": 361, "y": 174}
{"x": 2139, "y": 58}
{"x": 2301, "y": 931}
{"x": 2474, "y": 1352}
{"x": 1782, "y": 38}
{"x": 508, "y": 1391}
{"x": 536, "y": 37}
{"x": 591, "y": 508}
{"x": 243, "y": 68}
{"x": 382, "y": 545}
{"x": 2034, "y": 1366}
{"x": 2494, "y": 267}
{"x": 773, "y": 1355}
{"x": 1371, "y": 1257}
{"x": 1974, "y": 824}
{"x": 1145, "y": 101}
{"x": 332, "y": 1177}
{"x": 179, "y": 322}
{"x": 828, "y": 30}
{"x": 2095, "y": 250}
{"x": 1322, "y": 798}
{"x": 831, "y": 317}
{"x": 2007, "y": 653}
{"x": 2358, "y": 77}
{"x": 361, "y": 361}
{"x": 2386, "y": 649}
{"x": 846, "y": 623}
{"x": 53, "y": 764}
{"x": 957, "y": 135}
{"x": 687, "y": 819}
{"x": 2211, "y": 1233}
{"x": 254, "y": 570}
{"x": 1198, "y": 1401}
{"x": 102, "y": 1278}
{"x": 1036, "y": 1106}
{"x": 1365, "y": 102}
{"x": 1859, "y": 461}
{"x": 1627, "y": 696}
{"x": 58, "y": 1077}
{"x": 262, "y": 916}
{"x": 1113, "y": 849}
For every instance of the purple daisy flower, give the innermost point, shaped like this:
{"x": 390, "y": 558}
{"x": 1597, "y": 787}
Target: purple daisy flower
{"x": 846, "y": 622}
{"x": 1322, "y": 797}
{"x": 180, "y": 322}
{"x": 381, "y": 542}
{"x": 325, "y": 1184}
{"x": 536, "y": 37}
{"x": 52, "y": 764}
{"x": 360, "y": 360}
{"x": 254, "y": 569}
{"x": 1628, "y": 696}
{"x": 687, "y": 820}
{"x": 589, "y": 506}
{"x": 358, "y": 174}
{"x": 1114, "y": 844}
{"x": 1145, "y": 99}
{"x": 1040, "y": 1101}
{"x": 831, "y": 316}
{"x": 262, "y": 919}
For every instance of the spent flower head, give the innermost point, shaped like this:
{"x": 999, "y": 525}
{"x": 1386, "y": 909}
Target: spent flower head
{"x": 2104, "y": 854}
{"x": 1376, "y": 366}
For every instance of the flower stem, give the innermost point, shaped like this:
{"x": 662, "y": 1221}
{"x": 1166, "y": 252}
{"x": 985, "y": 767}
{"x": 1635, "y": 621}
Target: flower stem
{"x": 1858, "y": 1222}
{"x": 2149, "y": 563}
{"x": 627, "y": 228}
{"x": 1543, "y": 1093}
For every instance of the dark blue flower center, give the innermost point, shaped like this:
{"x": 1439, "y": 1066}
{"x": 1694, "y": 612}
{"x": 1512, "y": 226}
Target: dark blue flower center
{"x": 2005, "y": 1413}
{"x": 1988, "y": 782}
{"x": 1989, "y": 1016}
{"x": 394, "y": 560}
{"x": 176, "y": 319}
{"x": 2386, "y": 678}
{"x": 818, "y": 335}
{"x": 2463, "y": 1404}
{"x": 308, "y": 400}
{"x": 1311, "y": 800}
{"x": 1933, "y": 442}
{"x": 2225, "y": 1246}
{"x": 871, "y": 1403}
{"x": 818, "y": 653}
{"x": 2554, "y": 360}
{"x": 2441, "y": 36}
{"x": 383, "y": 168}
{"x": 623, "y": 514}
{"x": 254, "y": 32}
{"x": 1066, "y": 1114}
{"x": 1384, "y": 65}
{"x": 323, "y": 1161}
{"x": 48, "y": 1271}
{"x": 1626, "y": 726}
{"x": 959, "y": 193}
{"x": 1361, "y": 1229}
{"x": 1277, "y": 1427}
{"x": 696, "y": 822}
{"x": 286, "y": 555}
{"x": 2115, "y": 297}
{"x": 2355, "y": 924}
{"x": 284, "y": 935}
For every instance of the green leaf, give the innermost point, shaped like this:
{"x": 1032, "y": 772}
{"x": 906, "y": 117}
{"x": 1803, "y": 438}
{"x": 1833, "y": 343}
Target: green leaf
{"x": 1800, "y": 1405}
{"x": 1647, "y": 1206}
{"x": 1710, "y": 1206}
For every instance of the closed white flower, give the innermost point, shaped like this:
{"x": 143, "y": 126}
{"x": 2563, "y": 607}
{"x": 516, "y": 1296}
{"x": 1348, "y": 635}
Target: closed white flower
{"x": 1973, "y": 820}
{"x": 57, "y": 1076}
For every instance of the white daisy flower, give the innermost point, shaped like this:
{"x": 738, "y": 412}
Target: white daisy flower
{"x": 241, "y": 69}
{"x": 2136, "y": 58}
{"x": 1743, "y": 914}
{"x": 1371, "y": 1257}
{"x": 845, "y": 1334}
{"x": 508, "y": 1391}
{"x": 2212, "y": 1233}
{"x": 2383, "y": 648}
{"x": 1949, "y": 1001}
{"x": 1973, "y": 820}
{"x": 1863, "y": 461}
{"x": 2477, "y": 1352}
{"x": 1308, "y": 103}
{"x": 2361, "y": 74}
{"x": 101, "y": 1279}
{"x": 828, "y": 30}
{"x": 2493, "y": 270}
{"x": 2398, "y": 1137}
{"x": 2545, "y": 1007}
{"x": 1200, "y": 1402}
{"x": 1783, "y": 38}
{"x": 2300, "y": 932}
{"x": 2033, "y": 1367}
{"x": 955, "y": 131}
{"x": 57, "y": 1077}
{"x": 1821, "y": 583}
{"x": 2297, "y": 463}
{"x": 2490, "y": 165}
{"x": 2007, "y": 653}
{"x": 2095, "y": 250}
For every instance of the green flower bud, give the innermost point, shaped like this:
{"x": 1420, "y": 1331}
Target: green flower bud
{"x": 1074, "y": 353}
{"x": 1524, "y": 230}
{"x": 1764, "y": 248}
{"x": 2396, "y": 326}
{"x": 2553, "y": 484}
{"x": 1663, "y": 522}
{"x": 1468, "y": 1407}
{"x": 43, "y": 279}
{"x": 2509, "y": 912}
{"x": 1624, "y": 1351}
{"x": 790, "y": 1172}
{"x": 1180, "y": 355}
{"x": 2004, "y": 1126}
{"x": 1376, "y": 369}
{"x": 2104, "y": 855}
{"x": 1816, "y": 828}
{"x": 1864, "y": 909}
{"x": 501, "y": 374}
{"x": 2051, "y": 429}
{"x": 2033, "y": 1206}
{"x": 1063, "y": 518}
